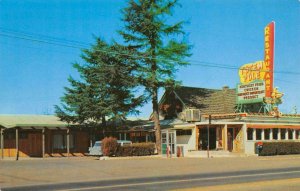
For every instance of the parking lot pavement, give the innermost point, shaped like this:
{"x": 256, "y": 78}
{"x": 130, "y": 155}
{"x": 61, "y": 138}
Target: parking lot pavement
{"x": 32, "y": 171}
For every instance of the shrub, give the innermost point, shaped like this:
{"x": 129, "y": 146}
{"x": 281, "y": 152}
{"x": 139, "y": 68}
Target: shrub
{"x": 279, "y": 148}
{"x": 109, "y": 146}
{"x": 136, "y": 149}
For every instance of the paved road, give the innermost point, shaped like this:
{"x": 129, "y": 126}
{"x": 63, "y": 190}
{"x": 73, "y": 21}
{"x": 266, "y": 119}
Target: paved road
{"x": 174, "y": 182}
{"x": 270, "y": 185}
{"x": 153, "y": 173}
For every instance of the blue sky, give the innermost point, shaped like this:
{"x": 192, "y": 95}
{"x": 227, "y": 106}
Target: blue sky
{"x": 226, "y": 33}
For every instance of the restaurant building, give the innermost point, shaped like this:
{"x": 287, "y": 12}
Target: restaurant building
{"x": 226, "y": 129}
{"x": 235, "y": 119}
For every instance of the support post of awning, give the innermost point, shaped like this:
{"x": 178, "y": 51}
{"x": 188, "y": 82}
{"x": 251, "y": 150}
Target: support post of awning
{"x": 254, "y": 134}
{"x": 197, "y": 137}
{"x": 271, "y": 134}
{"x": 2, "y": 144}
{"x": 294, "y": 134}
{"x": 245, "y": 137}
{"x": 68, "y": 141}
{"x": 17, "y": 143}
{"x": 217, "y": 138}
{"x": 43, "y": 142}
{"x": 225, "y": 138}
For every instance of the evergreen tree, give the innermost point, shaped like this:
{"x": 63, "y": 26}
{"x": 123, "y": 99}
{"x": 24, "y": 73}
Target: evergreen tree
{"x": 160, "y": 47}
{"x": 106, "y": 88}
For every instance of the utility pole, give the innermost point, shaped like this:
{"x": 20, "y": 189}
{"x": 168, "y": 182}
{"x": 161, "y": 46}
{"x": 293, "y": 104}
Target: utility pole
{"x": 208, "y": 126}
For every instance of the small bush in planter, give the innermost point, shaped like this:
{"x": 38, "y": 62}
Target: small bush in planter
{"x": 136, "y": 149}
{"x": 109, "y": 146}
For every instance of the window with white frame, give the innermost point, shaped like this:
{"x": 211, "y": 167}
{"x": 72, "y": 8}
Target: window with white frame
{"x": 164, "y": 138}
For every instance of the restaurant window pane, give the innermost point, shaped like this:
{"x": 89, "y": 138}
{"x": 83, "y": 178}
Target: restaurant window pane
{"x": 282, "y": 131}
{"x": 275, "y": 134}
{"x": 267, "y": 134}
{"x": 249, "y": 134}
{"x": 258, "y": 134}
{"x": 290, "y": 133}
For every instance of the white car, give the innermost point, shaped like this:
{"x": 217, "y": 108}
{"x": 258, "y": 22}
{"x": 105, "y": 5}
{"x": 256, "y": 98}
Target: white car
{"x": 124, "y": 142}
{"x": 96, "y": 150}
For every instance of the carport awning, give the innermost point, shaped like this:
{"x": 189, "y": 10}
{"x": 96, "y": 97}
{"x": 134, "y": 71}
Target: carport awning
{"x": 270, "y": 126}
{"x": 28, "y": 121}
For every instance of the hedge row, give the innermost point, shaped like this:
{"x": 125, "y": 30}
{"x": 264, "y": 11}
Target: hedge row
{"x": 110, "y": 147}
{"x": 279, "y": 148}
{"x": 136, "y": 149}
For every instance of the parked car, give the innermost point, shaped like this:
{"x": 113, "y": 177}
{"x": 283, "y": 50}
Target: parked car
{"x": 124, "y": 142}
{"x": 96, "y": 149}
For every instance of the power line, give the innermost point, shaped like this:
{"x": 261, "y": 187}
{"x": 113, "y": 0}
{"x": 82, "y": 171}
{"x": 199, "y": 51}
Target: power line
{"x": 40, "y": 41}
{"x": 57, "y": 42}
{"x": 33, "y": 35}
{"x": 69, "y": 51}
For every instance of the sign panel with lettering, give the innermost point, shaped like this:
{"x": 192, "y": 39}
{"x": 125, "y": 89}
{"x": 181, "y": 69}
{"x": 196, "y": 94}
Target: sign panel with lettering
{"x": 258, "y": 72}
{"x": 269, "y": 57}
{"x": 252, "y": 71}
{"x": 253, "y": 92}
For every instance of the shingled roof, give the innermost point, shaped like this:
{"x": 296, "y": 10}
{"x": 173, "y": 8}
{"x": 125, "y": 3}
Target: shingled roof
{"x": 209, "y": 101}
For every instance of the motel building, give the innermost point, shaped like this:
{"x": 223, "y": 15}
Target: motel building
{"x": 47, "y": 136}
{"x": 40, "y": 136}
{"x": 226, "y": 131}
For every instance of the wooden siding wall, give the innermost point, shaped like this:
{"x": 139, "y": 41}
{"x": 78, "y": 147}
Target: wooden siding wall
{"x": 30, "y": 143}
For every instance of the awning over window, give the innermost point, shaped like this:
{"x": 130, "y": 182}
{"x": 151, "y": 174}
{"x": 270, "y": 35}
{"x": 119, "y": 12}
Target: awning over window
{"x": 275, "y": 126}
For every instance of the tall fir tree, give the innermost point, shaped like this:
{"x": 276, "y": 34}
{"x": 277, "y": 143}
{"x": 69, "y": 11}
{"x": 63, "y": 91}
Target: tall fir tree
{"x": 160, "y": 47}
{"x": 106, "y": 88}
